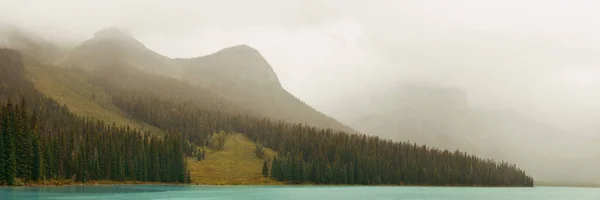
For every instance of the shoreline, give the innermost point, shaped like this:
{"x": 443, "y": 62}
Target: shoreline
{"x": 55, "y": 183}
{"x": 66, "y": 183}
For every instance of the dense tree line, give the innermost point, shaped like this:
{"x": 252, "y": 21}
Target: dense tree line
{"x": 325, "y": 156}
{"x": 42, "y": 140}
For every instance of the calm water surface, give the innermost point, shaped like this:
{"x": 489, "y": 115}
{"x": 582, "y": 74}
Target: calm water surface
{"x": 138, "y": 192}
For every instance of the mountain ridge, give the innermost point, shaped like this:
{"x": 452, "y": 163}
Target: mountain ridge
{"x": 239, "y": 74}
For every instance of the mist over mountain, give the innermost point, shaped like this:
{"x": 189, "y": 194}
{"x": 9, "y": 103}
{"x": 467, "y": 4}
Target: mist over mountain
{"x": 115, "y": 45}
{"x": 29, "y": 43}
{"x": 521, "y": 88}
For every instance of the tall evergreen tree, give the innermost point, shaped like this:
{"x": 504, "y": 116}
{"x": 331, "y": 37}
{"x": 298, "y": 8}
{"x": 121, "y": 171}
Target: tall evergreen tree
{"x": 3, "y": 117}
{"x": 23, "y": 151}
{"x": 36, "y": 170}
{"x": 189, "y": 177}
{"x": 265, "y": 169}
{"x": 10, "y": 162}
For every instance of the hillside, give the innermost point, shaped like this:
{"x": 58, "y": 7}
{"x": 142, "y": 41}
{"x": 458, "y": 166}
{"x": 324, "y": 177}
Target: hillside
{"x": 42, "y": 141}
{"x": 236, "y": 164}
{"x": 76, "y": 90}
{"x": 239, "y": 75}
{"x": 441, "y": 117}
{"x": 71, "y": 87}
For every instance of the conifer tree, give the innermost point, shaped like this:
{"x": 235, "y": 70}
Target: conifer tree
{"x": 36, "y": 170}
{"x": 3, "y": 116}
{"x": 198, "y": 155}
{"x": 265, "y": 169}
{"x": 276, "y": 170}
{"x": 189, "y": 177}
{"x": 10, "y": 162}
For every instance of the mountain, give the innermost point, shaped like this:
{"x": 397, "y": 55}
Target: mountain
{"x": 103, "y": 116}
{"x": 242, "y": 75}
{"x": 239, "y": 74}
{"x": 441, "y": 117}
{"x": 235, "y": 67}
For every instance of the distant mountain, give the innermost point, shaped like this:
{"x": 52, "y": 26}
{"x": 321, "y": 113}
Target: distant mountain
{"x": 441, "y": 116}
{"x": 417, "y": 113}
{"x": 237, "y": 74}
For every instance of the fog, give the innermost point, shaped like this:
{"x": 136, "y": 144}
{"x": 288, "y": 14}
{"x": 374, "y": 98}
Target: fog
{"x": 538, "y": 58}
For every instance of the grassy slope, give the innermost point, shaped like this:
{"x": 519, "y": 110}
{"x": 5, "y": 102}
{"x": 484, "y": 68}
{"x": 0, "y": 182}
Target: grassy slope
{"x": 80, "y": 95}
{"x": 237, "y": 164}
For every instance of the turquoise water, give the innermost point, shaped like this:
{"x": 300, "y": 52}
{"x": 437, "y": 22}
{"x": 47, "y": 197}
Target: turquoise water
{"x": 138, "y": 192}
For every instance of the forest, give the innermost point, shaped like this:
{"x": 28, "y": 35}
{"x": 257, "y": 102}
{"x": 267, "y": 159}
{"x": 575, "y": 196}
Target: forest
{"x": 44, "y": 140}
{"x": 41, "y": 140}
{"x": 325, "y": 156}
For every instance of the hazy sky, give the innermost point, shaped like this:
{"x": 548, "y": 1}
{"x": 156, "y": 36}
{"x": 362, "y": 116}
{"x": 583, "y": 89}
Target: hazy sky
{"x": 535, "y": 56}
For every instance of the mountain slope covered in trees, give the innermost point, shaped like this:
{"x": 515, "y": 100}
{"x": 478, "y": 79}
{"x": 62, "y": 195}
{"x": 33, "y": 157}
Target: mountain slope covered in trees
{"x": 312, "y": 154}
{"x": 190, "y": 115}
{"x": 42, "y": 140}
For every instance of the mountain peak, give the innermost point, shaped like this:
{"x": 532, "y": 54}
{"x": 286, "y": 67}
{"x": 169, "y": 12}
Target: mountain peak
{"x": 241, "y": 50}
{"x": 241, "y": 47}
{"x": 241, "y": 64}
{"x": 116, "y": 47}
{"x": 113, "y": 32}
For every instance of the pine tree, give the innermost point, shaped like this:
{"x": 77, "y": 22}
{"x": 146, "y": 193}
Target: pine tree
{"x": 299, "y": 169}
{"x": 10, "y": 162}
{"x": 198, "y": 155}
{"x": 276, "y": 170}
{"x": 189, "y": 177}
{"x": 265, "y": 169}
{"x": 343, "y": 177}
{"x": 3, "y": 116}
{"x": 36, "y": 171}
{"x": 23, "y": 151}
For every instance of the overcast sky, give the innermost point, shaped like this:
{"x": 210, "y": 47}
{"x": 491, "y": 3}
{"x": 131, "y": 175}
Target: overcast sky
{"x": 534, "y": 56}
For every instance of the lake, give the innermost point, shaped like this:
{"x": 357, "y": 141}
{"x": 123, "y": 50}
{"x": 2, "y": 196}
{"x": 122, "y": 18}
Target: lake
{"x": 138, "y": 192}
